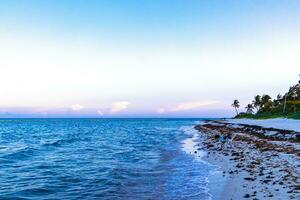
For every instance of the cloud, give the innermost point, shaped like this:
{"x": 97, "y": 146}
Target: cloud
{"x": 192, "y": 105}
{"x": 186, "y": 106}
{"x": 76, "y": 107}
{"x": 161, "y": 110}
{"x": 99, "y": 112}
{"x": 119, "y": 106}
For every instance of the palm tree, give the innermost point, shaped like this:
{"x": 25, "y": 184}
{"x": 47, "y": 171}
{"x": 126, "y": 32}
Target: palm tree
{"x": 265, "y": 99}
{"x": 278, "y": 100}
{"x": 294, "y": 95}
{"x": 257, "y": 102}
{"x": 284, "y": 104}
{"x": 236, "y": 105}
{"x": 249, "y": 108}
{"x": 279, "y": 97}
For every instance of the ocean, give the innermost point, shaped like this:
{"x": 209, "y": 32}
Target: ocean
{"x": 101, "y": 159}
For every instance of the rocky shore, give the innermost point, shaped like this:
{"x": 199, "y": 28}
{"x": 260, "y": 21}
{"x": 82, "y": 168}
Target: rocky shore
{"x": 257, "y": 162}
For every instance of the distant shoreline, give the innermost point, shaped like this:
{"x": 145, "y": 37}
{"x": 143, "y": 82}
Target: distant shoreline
{"x": 255, "y": 164}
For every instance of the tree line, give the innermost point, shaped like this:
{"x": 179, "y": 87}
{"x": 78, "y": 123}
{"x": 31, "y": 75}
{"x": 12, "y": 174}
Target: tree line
{"x": 264, "y": 105}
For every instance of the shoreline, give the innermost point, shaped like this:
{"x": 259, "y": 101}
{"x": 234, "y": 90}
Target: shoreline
{"x": 253, "y": 165}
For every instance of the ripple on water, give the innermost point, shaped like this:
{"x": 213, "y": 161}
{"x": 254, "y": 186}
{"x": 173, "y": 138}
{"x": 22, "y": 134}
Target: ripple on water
{"x": 100, "y": 158}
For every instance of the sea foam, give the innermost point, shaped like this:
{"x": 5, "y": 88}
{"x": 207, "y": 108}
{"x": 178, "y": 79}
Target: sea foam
{"x": 191, "y": 144}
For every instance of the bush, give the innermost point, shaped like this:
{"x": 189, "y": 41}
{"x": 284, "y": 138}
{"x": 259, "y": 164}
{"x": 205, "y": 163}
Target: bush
{"x": 244, "y": 115}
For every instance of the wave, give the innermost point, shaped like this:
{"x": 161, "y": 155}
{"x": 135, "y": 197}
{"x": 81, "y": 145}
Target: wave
{"x": 17, "y": 153}
{"x": 102, "y": 160}
{"x": 191, "y": 144}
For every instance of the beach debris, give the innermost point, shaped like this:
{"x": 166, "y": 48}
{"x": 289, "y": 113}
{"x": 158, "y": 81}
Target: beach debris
{"x": 267, "y": 159}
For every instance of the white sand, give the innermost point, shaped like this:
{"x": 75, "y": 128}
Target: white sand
{"x": 278, "y": 123}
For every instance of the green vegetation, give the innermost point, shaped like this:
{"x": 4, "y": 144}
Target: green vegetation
{"x": 287, "y": 105}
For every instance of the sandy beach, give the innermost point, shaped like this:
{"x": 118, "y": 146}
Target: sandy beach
{"x": 254, "y": 164}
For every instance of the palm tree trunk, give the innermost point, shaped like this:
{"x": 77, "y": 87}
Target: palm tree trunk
{"x": 236, "y": 111}
{"x": 284, "y": 105}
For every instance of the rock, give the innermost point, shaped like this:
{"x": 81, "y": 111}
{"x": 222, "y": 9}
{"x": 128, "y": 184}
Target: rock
{"x": 249, "y": 179}
{"x": 239, "y": 165}
{"x": 266, "y": 181}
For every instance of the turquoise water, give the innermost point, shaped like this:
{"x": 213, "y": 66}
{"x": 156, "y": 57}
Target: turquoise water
{"x": 99, "y": 159}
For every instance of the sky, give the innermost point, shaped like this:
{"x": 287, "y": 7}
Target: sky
{"x": 144, "y": 58}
